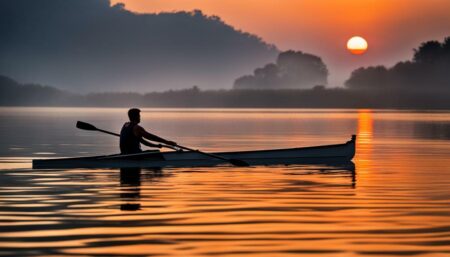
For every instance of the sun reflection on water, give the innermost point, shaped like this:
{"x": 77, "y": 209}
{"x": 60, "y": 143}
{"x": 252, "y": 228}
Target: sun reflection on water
{"x": 364, "y": 140}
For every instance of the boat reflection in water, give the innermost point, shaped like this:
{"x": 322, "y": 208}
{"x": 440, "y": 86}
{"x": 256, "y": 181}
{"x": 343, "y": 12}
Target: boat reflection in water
{"x": 348, "y": 169}
{"x": 130, "y": 189}
{"x": 131, "y": 178}
{"x": 130, "y": 186}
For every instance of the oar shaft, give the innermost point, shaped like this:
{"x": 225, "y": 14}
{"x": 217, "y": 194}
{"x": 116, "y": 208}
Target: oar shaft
{"x": 207, "y": 154}
{"x": 108, "y": 132}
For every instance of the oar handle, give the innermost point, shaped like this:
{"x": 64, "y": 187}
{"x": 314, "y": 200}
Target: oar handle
{"x": 147, "y": 143}
{"x": 170, "y": 147}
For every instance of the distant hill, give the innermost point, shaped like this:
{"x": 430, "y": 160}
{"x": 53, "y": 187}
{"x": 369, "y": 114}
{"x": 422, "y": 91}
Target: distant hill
{"x": 89, "y": 45}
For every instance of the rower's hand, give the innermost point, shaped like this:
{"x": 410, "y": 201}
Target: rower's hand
{"x": 171, "y": 143}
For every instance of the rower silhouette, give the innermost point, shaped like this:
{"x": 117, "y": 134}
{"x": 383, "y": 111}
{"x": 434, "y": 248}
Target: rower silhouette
{"x": 132, "y": 135}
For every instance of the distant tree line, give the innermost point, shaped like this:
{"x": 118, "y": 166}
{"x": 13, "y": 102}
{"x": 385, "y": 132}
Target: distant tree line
{"x": 423, "y": 83}
{"x": 14, "y": 94}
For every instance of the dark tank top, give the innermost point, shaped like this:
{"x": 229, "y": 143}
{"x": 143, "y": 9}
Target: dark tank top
{"x": 129, "y": 143}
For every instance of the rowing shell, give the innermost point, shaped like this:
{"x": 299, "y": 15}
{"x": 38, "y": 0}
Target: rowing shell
{"x": 326, "y": 154}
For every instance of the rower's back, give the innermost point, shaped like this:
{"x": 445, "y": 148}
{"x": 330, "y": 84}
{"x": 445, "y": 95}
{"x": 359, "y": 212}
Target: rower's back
{"x": 129, "y": 142}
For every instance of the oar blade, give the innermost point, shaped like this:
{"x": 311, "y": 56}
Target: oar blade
{"x": 239, "y": 163}
{"x": 85, "y": 126}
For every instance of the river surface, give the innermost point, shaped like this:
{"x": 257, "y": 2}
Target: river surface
{"x": 395, "y": 202}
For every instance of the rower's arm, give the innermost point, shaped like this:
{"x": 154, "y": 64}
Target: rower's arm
{"x": 140, "y": 131}
{"x": 146, "y": 143}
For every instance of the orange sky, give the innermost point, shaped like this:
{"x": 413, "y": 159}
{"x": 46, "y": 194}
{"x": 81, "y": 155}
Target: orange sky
{"x": 391, "y": 27}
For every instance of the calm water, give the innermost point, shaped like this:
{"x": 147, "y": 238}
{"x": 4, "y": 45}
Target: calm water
{"x": 396, "y": 203}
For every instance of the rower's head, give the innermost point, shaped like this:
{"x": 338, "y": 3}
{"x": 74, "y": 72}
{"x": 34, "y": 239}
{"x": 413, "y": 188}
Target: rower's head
{"x": 134, "y": 115}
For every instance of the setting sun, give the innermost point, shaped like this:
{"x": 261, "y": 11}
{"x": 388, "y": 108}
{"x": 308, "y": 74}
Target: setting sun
{"x": 357, "y": 45}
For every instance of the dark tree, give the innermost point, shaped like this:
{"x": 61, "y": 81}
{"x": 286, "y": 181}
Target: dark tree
{"x": 428, "y": 52}
{"x": 302, "y": 70}
{"x": 368, "y": 78}
{"x": 292, "y": 70}
{"x": 427, "y": 72}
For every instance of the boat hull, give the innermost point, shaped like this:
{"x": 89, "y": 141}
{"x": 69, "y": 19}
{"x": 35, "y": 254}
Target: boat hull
{"x": 328, "y": 154}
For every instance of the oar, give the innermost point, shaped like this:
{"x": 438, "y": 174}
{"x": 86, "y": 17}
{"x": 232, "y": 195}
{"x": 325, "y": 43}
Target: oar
{"x": 235, "y": 162}
{"x": 87, "y": 126}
